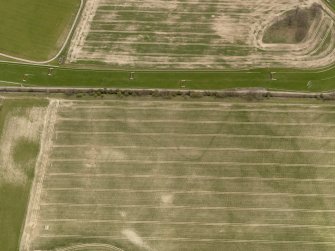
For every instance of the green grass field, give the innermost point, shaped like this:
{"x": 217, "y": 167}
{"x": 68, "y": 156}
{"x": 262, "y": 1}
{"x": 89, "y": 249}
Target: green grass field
{"x": 293, "y": 80}
{"x": 14, "y": 193}
{"x": 287, "y": 79}
{"x": 35, "y": 30}
{"x": 148, "y": 174}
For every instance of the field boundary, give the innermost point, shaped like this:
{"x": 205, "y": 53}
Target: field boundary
{"x": 256, "y": 93}
{"x": 75, "y": 21}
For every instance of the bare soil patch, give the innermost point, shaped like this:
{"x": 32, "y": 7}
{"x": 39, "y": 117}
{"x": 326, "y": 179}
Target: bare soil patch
{"x": 293, "y": 26}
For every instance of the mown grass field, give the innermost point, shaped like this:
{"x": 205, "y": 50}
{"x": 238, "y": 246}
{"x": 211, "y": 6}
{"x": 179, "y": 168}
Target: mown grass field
{"x": 190, "y": 175}
{"x": 286, "y": 79}
{"x": 14, "y": 195}
{"x": 35, "y": 30}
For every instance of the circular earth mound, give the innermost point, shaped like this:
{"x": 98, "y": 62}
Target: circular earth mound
{"x": 293, "y": 26}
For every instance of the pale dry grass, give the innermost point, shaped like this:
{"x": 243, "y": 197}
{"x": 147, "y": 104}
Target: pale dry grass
{"x": 154, "y": 186}
{"x": 25, "y": 124}
{"x": 195, "y": 34}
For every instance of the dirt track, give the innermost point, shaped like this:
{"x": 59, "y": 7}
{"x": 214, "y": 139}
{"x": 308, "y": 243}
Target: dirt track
{"x": 42, "y": 162}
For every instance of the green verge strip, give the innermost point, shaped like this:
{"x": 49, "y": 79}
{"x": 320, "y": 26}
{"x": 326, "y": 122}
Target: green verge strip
{"x": 281, "y": 79}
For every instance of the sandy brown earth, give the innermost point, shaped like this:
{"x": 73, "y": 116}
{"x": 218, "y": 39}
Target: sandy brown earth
{"x": 196, "y": 34}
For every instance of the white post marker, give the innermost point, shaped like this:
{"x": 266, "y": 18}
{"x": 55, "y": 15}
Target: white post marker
{"x": 309, "y": 84}
{"x": 50, "y": 71}
{"x": 183, "y": 83}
